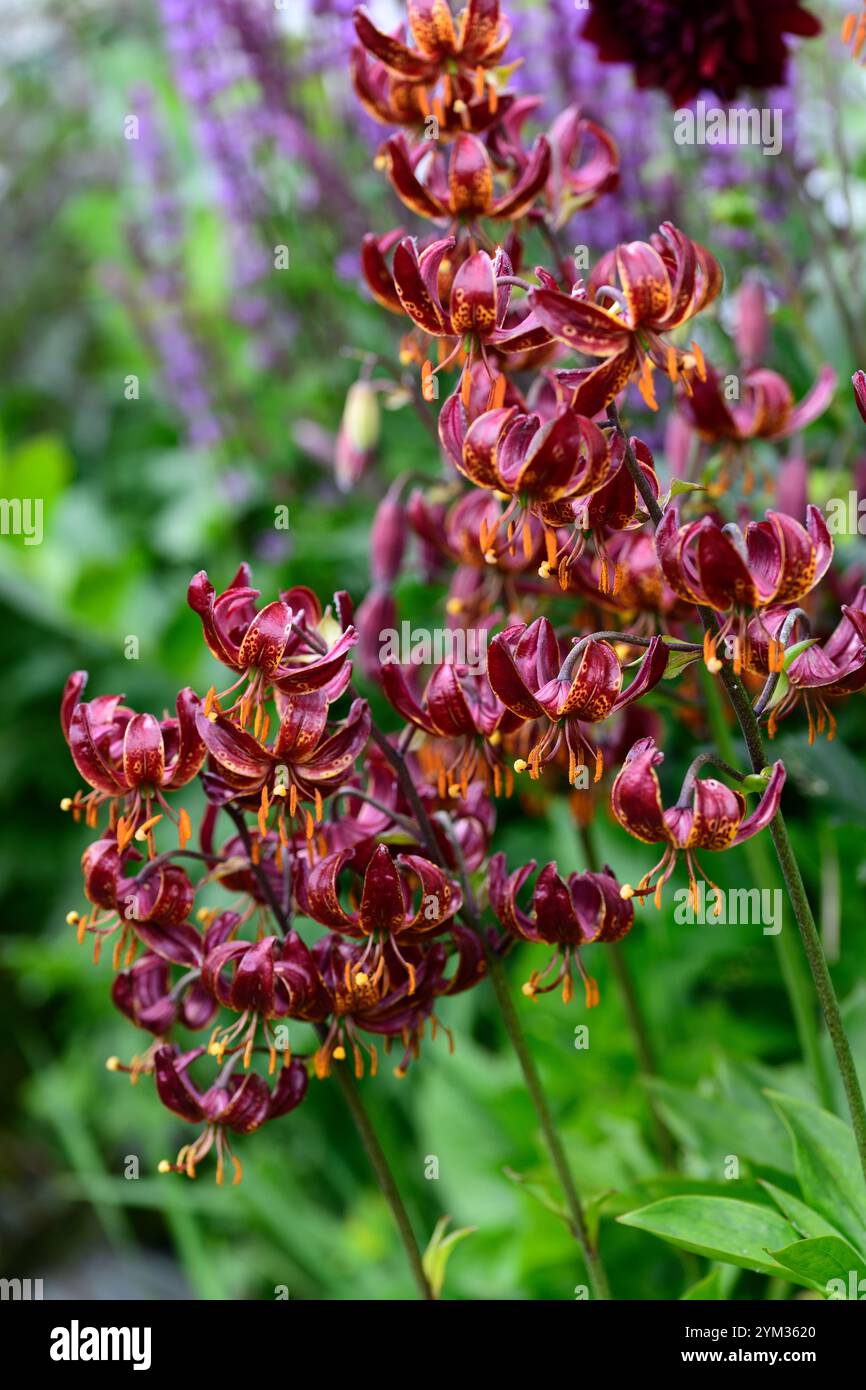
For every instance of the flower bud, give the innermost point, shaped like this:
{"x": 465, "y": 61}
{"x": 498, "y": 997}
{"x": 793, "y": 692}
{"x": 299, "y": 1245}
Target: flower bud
{"x": 376, "y": 615}
{"x": 359, "y": 433}
{"x": 388, "y": 537}
{"x": 858, "y": 381}
{"x": 753, "y": 324}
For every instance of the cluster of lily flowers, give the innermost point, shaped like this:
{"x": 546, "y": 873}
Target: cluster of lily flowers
{"x": 386, "y": 839}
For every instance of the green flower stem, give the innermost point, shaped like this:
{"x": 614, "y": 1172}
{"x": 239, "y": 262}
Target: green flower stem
{"x": 634, "y": 1017}
{"x": 792, "y": 966}
{"x": 351, "y": 1094}
{"x": 754, "y": 741}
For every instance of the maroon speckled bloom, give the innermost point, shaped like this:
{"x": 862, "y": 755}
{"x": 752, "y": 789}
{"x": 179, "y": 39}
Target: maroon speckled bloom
{"x": 240, "y": 1104}
{"x": 708, "y": 815}
{"x": 566, "y": 913}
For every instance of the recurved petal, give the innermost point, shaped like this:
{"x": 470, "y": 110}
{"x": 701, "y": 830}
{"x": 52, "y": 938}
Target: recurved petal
{"x": 716, "y": 814}
{"x": 644, "y": 281}
{"x": 470, "y": 178}
{"x": 384, "y": 899}
{"x": 649, "y": 673}
{"x": 440, "y": 898}
{"x": 479, "y": 457}
{"x": 554, "y": 910}
{"x": 265, "y": 639}
{"x": 583, "y": 326}
{"x": 318, "y": 895}
{"x": 636, "y": 798}
{"x": 190, "y": 748}
{"x": 447, "y": 703}
{"x": 143, "y": 752}
{"x": 473, "y": 303}
{"x": 423, "y": 309}
{"x": 334, "y": 759}
{"x": 390, "y": 51}
{"x": 82, "y": 746}
{"x": 174, "y": 1088}
{"x": 519, "y": 199}
{"x": 725, "y": 578}
{"x": 594, "y": 687}
{"x": 503, "y": 897}
{"x": 290, "y": 1089}
{"x": 241, "y": 759}
{"x": 405, "y": 181}
{"x": 432, "y": 26}
{"x": 376, "y": 270}
{"x": 401, "y": 697}
{"x": 303, "y": 719}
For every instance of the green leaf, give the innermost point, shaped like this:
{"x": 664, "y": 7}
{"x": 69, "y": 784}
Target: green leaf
{"x": 828, "y": 1165}
{"x": 438, "y": 1252}
{"x": 677, "y": 663}
{"x": 803, "y": 1218}
{"x": 721, "y": 1228}
{"x": 715, "y": 1286}
{"x": 715, "y": 1126}
{"x": 818, "y": 1261}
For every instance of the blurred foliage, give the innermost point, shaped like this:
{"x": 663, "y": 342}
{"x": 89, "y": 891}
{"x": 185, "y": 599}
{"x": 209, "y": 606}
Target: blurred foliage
{"x": 132, "y": 509}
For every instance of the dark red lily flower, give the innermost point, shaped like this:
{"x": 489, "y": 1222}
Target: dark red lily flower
{"x": 461, "y": 185}
{"x": 393, "y": 1002}
{"x": 707, "y": 815}
{"x": 828, "y": 670}
{"x": 585, "y": 159}
{"x": 566, "y": 913}
{"x": 765, "y": 410}
{"x": 477, "y": 303}
{"x": 262, "y": 981}
{"x": 129, "y": 757}
{"x": 307, "y": 759}
{"x": 661, "y": 285}
{"x": 688, "y": 46}
{"x": 777, "y": 561}
{"x": 446, "y": 75}
{"x": 163, "y": 894}
{"x": 538, "y": 464}
{"x": 145, "y": 995}
{"x": 268, "y": 647}
{"x": 532, "y": 678}
{"x": 459, "y": 704}
{"x": 386, "y": 912}
{"x": 608, "y": 510}
{"x": 240, "y": 1104}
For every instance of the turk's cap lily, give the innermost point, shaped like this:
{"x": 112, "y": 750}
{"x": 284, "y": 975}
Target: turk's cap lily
{"x": 584, "y": 156}
{"x": 577, "y": 910}
{"x": 520, "y": 454}
{"x": 708, "y": 815}
{"x": 269, "y": 977}
{"x": 268, "y": 641}
{"x": 116, "y": 750}
{"x": 477, "y": 40}
{"x": 386, "y": 909}
{"x": 144, "y": 994}
{"x": 316, "y": 757}
{"x": 765, "y": 409}
{"x": 776, "y": 561}
{"x": 457, "y": 702}
{"x": 654, "y": 287}
{"x": 475, "y": 304}
{"x": 462, "y": 184}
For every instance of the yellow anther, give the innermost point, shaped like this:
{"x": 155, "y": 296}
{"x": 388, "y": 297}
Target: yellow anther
{"x": 72, "y": 918}
{"x": 339, "y": 1054}
{"x": 163, "y": 1166}
{"x": 112, "y": 1064}
{"x": 520, "y": 765}
{"x": 626, "y": 891}
{"x": 66, "y": 803}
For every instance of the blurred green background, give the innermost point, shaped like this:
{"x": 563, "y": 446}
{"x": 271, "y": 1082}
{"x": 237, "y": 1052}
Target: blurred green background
{"x": 163, "y": 389}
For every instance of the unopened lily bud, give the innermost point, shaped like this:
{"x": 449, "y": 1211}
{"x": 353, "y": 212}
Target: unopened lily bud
{"x": 792, "y": 493}
{"x": 388, "y": 537}
{"x": 359, "y": 433}
{"x": 858, "y": 381}
{"x": 375, "y": 620}
{"x": 753, "y": 324}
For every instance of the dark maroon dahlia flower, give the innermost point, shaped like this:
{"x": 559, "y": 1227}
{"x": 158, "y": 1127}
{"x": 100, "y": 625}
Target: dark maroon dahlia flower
{"x": 689, "y": 46}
